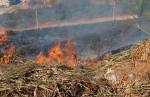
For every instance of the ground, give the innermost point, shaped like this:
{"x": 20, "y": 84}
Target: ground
{"x": 124, "y": 74}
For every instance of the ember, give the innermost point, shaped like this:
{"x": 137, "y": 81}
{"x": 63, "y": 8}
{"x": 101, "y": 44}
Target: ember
{"x": 57, "y": 54}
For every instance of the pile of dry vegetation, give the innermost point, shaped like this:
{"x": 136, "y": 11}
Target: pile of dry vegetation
{"x": 125, "y": 74}
{"x": 33, "y": 80}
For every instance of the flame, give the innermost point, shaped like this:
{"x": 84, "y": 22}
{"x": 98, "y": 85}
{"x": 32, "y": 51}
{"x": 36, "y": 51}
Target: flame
{"x": 66, "y": 55}
{"x": 5, "y": 59}
{"x": 3, "y": 37}
{"x": 41, "y": 58}
{"x": 71, "y": 56}
{"x": 8, "y": 55}
{"x": 56, "y": 54}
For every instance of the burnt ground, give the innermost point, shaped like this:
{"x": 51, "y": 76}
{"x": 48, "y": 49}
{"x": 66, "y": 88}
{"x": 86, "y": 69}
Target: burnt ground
{"x": 123, "y": 74}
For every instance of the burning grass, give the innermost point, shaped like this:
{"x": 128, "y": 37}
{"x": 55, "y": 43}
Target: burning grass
{"x": 66, "y": 55}
{"x": 8, "y": 55}
{"x": 125, "y": 74}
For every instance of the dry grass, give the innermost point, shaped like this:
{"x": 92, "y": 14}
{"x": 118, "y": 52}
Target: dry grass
{"x": 125, "y": 74}
{"x": 43, "y": 80}
{"x": 141, "y": 51}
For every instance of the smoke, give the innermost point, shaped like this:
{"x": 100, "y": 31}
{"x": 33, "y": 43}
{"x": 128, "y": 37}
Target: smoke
{"x": 91, "y": 39}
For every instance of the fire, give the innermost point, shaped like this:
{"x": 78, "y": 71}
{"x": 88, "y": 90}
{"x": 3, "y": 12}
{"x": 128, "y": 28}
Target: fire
{"x": 56, "y": 54}
{"x": 65, "y": 55}
{"x": 71, "y": 56}
{"x": 41, "y": 58}
{"x": 8, "y": 55}
{"x": 3, "y": 37}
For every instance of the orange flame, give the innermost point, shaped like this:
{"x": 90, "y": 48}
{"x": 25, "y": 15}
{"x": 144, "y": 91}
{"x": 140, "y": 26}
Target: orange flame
{"x": 66, "y": 55}
{"x": 3, "y": 37}
{"x": 8, "y": 55}
{"x": 56, "y": 54}
{"x": 41, "y": 58}
{"x": 71, "y": 56}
